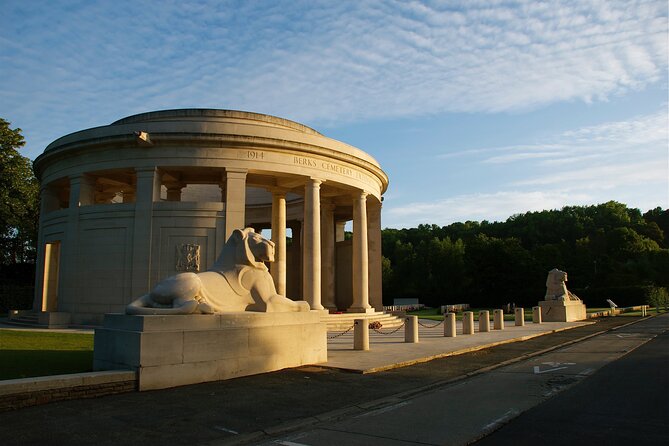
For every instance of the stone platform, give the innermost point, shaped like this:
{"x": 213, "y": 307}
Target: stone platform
{"x": 562, "y": 311}
{"x": 169, "y": 351}
{"x": 388, "y": 349}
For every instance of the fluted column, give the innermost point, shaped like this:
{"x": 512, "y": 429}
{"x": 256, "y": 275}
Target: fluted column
{"x": 278, "y": 267}
{"x": 360, "y": 256}
{"x": 328, "y": 255}
{"x": 311, "y": 277}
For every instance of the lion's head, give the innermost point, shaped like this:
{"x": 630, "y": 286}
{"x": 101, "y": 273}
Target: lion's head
{"x": 245, "y": 247}
{"x": 555, "y": 284}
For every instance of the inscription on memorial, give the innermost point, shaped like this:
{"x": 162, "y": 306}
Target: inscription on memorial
{"x": 331, "y": 167}
{"x": 187, "y": 258}
{"x": 251, "y": 154}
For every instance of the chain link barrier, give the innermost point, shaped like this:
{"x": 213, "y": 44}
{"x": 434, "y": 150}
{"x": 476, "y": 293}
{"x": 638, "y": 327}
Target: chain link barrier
{"x": 430, "y": 326}
{"x": 390, "y": 332}
{"x": 342, "y": 333}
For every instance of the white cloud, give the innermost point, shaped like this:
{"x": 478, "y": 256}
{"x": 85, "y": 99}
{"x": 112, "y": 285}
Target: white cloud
{"x": 626, "y": 161}
{"x": 70, "y": 65}
{"x": 497, "y": 206}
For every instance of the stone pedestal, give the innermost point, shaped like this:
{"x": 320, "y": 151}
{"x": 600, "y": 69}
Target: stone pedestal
{"x": 467, "y": 323}
{"x": 449, "y": 325}
{"x": 562, "y": 311}
{"x": 176, "y": 350}
{"x": 361, "y": 334}
{"x": 484, "y": 321}
{"x": 411, "y": 329}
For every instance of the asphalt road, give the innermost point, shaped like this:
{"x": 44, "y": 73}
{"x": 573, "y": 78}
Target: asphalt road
{"x": 624, "y": 403}
{"x": 614, "y": 397}
{"x": 270, "y": 406}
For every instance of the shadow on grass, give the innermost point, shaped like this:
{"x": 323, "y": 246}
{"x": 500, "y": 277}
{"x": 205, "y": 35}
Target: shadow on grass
{"x": 30, "y": 363}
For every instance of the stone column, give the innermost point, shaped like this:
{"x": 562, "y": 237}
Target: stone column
{"x": 374, "y": 250}
{"x": 235, "y": 200}
{"x": 328, "y": 255}
{"x": 82, "y": 193}
{"x": 311, "y": 257}
{"x": 340, "y": 232}
{"x": 48, "y": 202}
{"x": 278, "y": 267}
{"x": 86, "y": 190}
{"x": 148, "y": 191}
{"x": 174, "y": 191}
{"x": 360, "y": 256}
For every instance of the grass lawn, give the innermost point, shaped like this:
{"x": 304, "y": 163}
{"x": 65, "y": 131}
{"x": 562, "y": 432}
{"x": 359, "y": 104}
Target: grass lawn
{"x": 25, "y": 354}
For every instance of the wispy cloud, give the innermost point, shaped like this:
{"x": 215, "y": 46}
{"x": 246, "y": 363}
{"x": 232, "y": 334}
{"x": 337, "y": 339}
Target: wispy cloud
{"x": 67, "y": 65}
{"x": 496, "y": 206}
{"x": 624, "y": 160}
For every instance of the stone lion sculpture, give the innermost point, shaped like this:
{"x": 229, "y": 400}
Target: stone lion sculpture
{"x": 556, "y": 286}
{"x": 238, "y": 281}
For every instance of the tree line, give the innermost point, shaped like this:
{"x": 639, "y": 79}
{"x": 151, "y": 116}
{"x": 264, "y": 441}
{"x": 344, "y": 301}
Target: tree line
{"x": 608, "y": 250}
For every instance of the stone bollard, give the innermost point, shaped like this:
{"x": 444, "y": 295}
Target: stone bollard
{"x": 643, "y": 310}
{"x": 520, "y": 317}
{"x": 498, "y": 319}
{"x": 484, "y": 321}
{"x": 536, "y": 315}
{"x": 468, "y": 322}
{"x": 361, "y": 334}
{"x": 449, "y": 325}
{"x": 411, "y": 329}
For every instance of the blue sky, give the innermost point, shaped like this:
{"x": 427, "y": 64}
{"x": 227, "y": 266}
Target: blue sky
{"x": 475, "y": 109}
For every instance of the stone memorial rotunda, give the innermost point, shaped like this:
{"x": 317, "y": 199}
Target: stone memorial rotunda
{"x": 128, "y": 204}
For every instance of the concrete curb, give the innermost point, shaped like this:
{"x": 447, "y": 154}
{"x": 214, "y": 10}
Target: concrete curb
{"x": 59, "y": 382}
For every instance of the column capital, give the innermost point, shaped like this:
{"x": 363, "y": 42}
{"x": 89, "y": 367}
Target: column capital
{"x": 277, "y": 191}
{"x": 360, "y": 194}
{"x": 148, "y": 169}
{"x": 234, "y": 172}
{"x": 314, "y": 181}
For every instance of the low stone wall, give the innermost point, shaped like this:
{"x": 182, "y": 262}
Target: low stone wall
{"x": 18, "y": 393}
{"x": 177, "y": 350}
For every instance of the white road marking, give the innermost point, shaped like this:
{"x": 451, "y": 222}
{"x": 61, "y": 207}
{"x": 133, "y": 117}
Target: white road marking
{"x": 224, "y": 429}
{"x": 289, "y": 443}
{"x": 555, "y": 366}
{"x": 507, "y": 416}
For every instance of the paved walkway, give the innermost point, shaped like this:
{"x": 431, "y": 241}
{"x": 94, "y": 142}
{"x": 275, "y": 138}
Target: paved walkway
{"x": 388, "y": 349}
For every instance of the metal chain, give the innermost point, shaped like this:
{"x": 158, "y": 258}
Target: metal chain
{"x": 342, "y": 333}
{"x": 390, "y": 332}
{"x": 430, "y": 326}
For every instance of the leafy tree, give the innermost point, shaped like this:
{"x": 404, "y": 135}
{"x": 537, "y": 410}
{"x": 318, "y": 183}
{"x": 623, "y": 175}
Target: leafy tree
{"x": 602, "y": 246}
{"x": 18, "y": 200}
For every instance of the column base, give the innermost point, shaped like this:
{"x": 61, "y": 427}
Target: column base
{"x": 361, "y": 310}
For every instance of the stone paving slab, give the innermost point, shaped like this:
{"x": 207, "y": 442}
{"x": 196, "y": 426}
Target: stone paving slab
{"x": 388, "y": 349}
